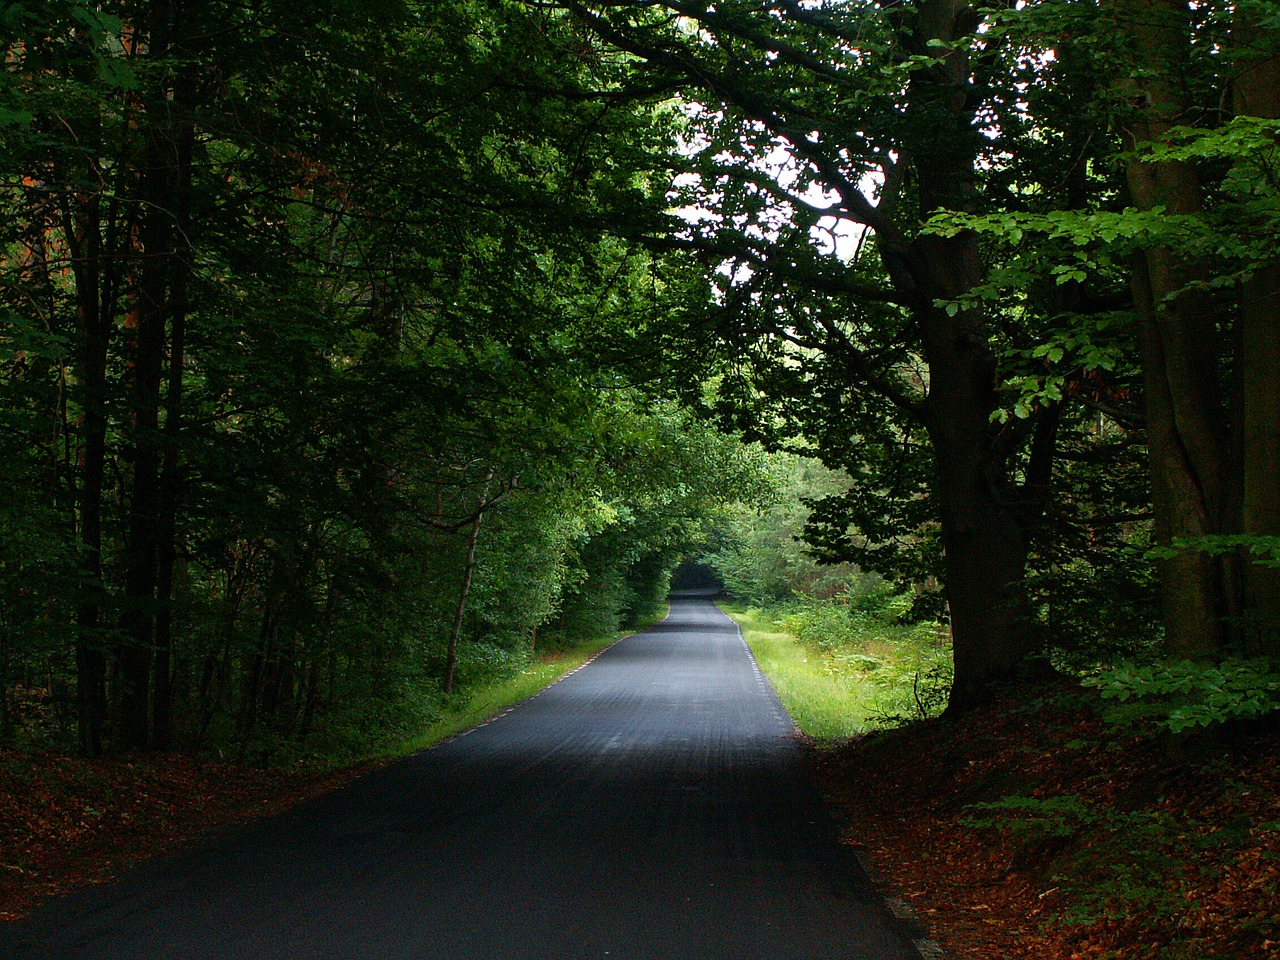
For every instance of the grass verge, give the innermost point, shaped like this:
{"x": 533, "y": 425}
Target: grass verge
{"x": 828, "y": 706}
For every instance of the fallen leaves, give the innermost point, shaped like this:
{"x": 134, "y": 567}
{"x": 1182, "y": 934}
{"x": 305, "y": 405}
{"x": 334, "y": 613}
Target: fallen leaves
{"x": 68, "y": 822}
{"x": 1157, "y": 855}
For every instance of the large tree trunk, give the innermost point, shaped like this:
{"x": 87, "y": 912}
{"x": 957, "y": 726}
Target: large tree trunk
{"x": 1186, "y": 493}
{"x": 984, "y": 536}
{"x": 1257, "y": 94}
{"x": 1186, "y": 426}
{"x": 985, "y": 564}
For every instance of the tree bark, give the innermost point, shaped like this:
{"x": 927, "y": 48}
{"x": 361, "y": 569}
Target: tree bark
{"x": 163, "y": 176}
{"x": 984, "y": 536}
{"x": 1184, "y": 506}
{"x": 1257, "y": 94}
{"x": 146, "y": 325}
{"x": 1186, "y": 425}
{"x": 83, "y": 228}
{"x": 984, "y": 532}
{"x": 93, "y": 343}
{"x": 250, "y": 701}
{"x": 170, "y": 471}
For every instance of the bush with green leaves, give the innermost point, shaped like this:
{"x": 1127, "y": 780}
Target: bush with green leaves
{"x": 760, "y": 555}
{"x": 1182, "y": 695}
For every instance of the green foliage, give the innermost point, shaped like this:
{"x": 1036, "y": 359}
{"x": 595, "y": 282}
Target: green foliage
{"x": 760, "y": 556}
{"x": 914, "y": 680}
{"x": 876, "y": 614}
{"x": 1032, "y": 818}
{"x": 385, "y": 348}
{"x": 413, "y": 265}
{"x": 1120, "y": 860}
{"x": 862, "y": 641}
{"x": 853, "y": 662}
{"x": 1182, "y": 695}
{"x": 1128, "y": 870}
{"x": 1261, "y": 550}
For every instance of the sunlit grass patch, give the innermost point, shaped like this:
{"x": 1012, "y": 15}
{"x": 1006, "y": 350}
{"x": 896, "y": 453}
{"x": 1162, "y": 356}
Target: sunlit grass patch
{"x": 841, "y": 668}
{"x": 827, "y": 705}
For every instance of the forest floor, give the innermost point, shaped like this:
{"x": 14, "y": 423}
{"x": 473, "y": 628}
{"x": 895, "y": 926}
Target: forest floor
{"x": 1029, "y": 828}
{"x": 69, "y": 822}
{"x": 1025, "y": 829}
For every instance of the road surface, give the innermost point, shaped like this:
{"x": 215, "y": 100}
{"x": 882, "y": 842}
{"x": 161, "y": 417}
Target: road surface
{"x": 650, "y": 806}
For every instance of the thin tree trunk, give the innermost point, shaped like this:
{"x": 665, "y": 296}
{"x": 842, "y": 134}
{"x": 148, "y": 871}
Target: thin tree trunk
{"x": 320, "y": 654}
{"x": 170, "y": 477}
{"x": 310, "y": 697}
{"x": 215, "y": 675}
{"x": 250, "y": 701}
{"x": 142, "y": 546}
{"x": 455, "y": 632}
{"x": 83, "y": 230}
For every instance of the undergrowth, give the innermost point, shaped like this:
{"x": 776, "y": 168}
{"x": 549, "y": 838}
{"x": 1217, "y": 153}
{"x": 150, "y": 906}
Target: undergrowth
{"x": 411, "y": 715}
{"x": 845, "y": 665}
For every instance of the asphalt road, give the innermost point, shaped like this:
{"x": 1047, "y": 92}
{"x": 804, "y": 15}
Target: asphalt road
{"x": 650, "y": 806}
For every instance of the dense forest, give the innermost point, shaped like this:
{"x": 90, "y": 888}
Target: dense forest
{"x": 307, "y": 418}
{"x": 352, "y": 351}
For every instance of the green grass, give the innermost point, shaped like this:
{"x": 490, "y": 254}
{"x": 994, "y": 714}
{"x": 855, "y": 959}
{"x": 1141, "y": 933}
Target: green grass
{"x": 827, "y": 705}
{"x": 492, "y": 699}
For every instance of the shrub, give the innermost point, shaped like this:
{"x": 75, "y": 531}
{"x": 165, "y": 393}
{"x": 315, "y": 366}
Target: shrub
{"x": 1179, "y": 695}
